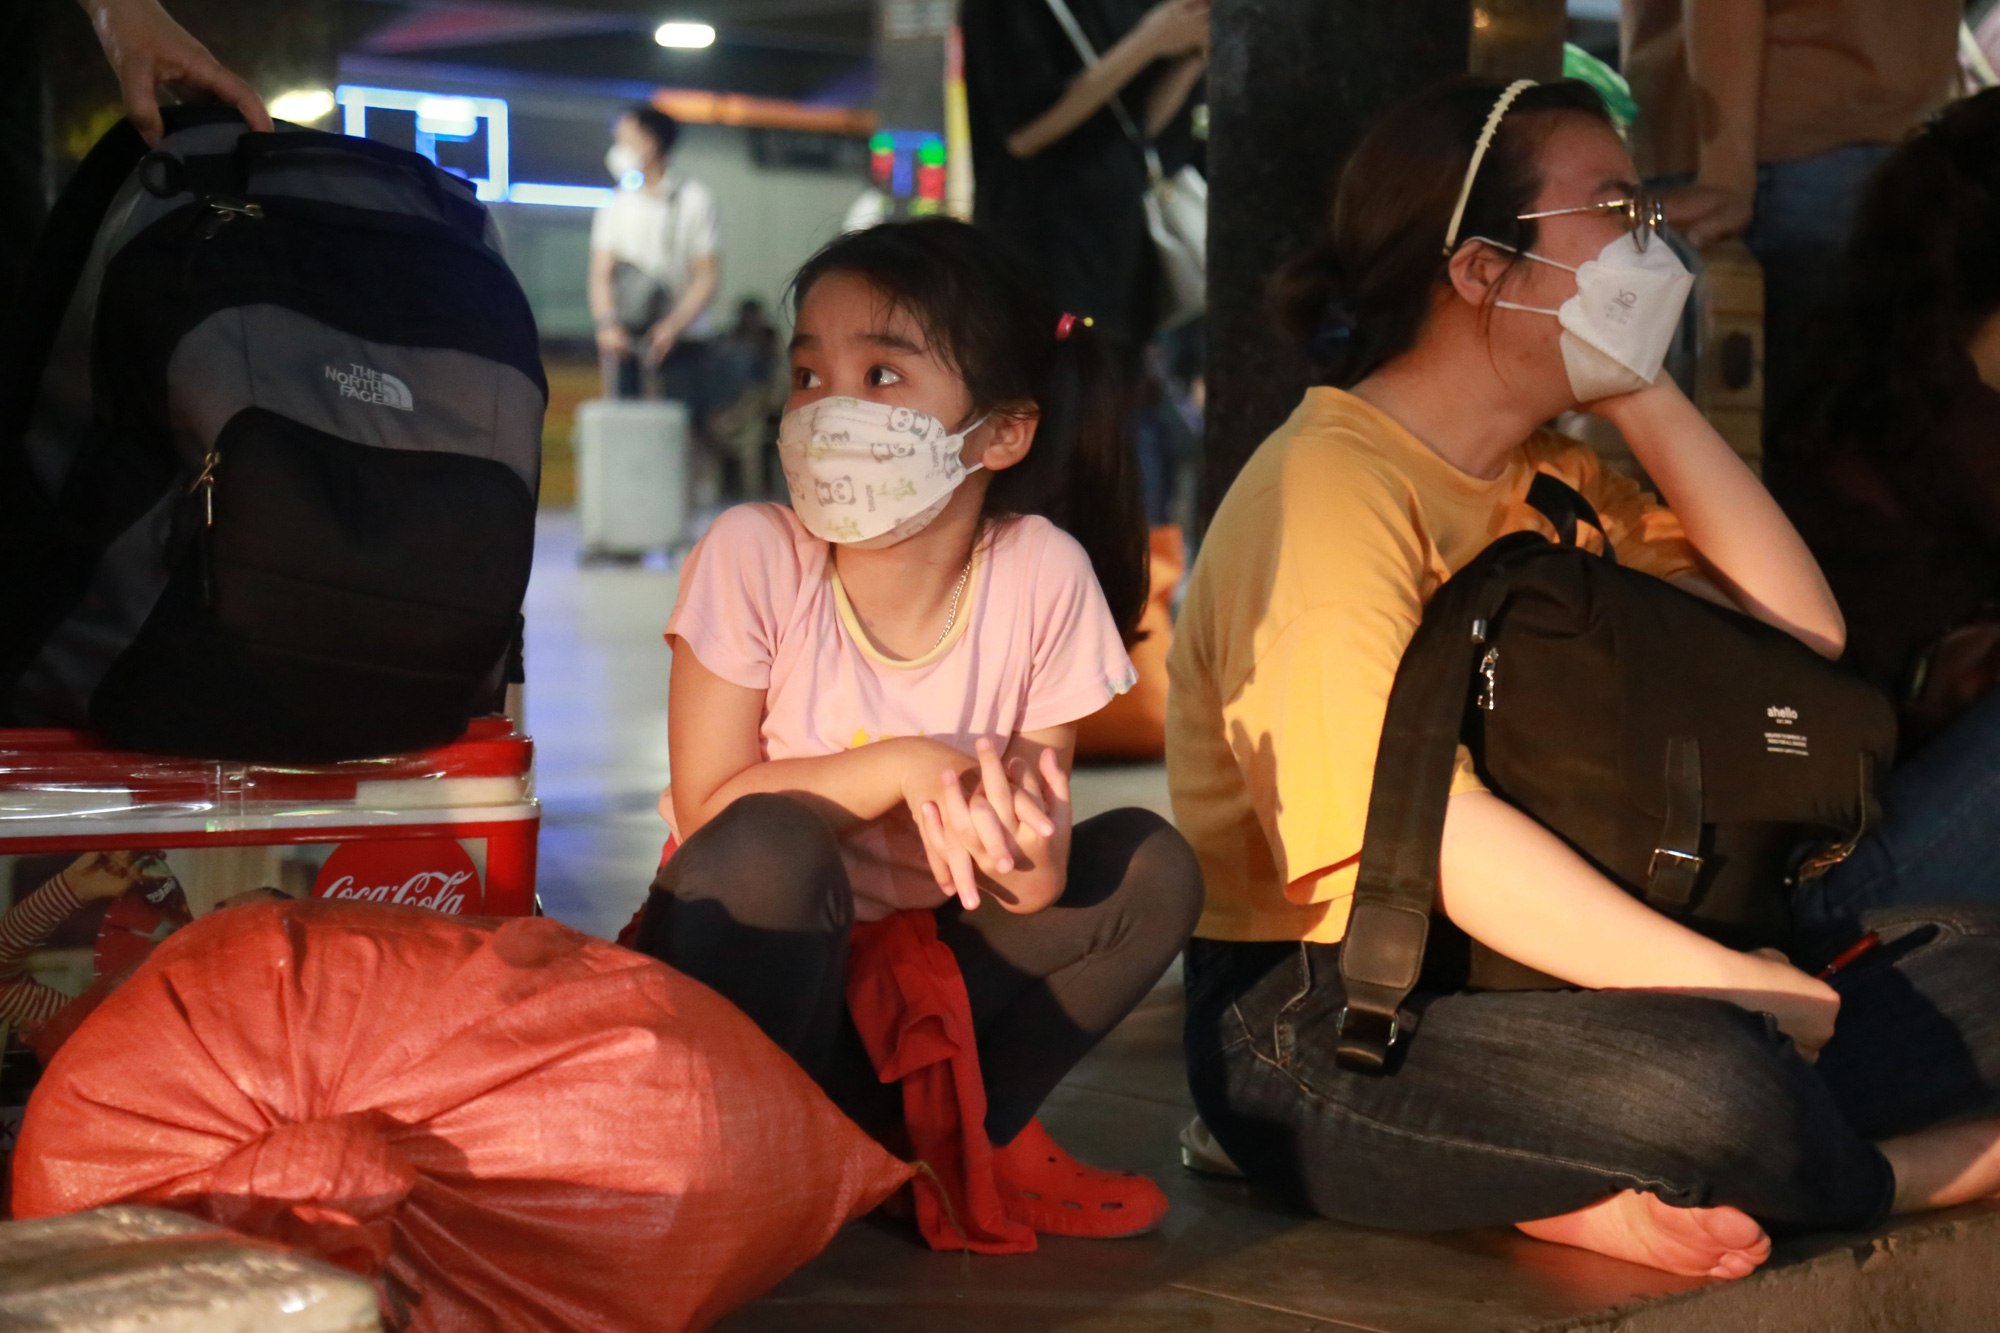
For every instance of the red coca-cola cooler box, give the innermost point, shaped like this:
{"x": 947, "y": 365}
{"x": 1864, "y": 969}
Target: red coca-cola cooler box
{"x": 152, "y": 842}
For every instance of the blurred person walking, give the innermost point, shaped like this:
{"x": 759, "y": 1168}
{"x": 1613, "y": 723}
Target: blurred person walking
{"x": 653, "y": 268}
{"x": 1763, "y": 118}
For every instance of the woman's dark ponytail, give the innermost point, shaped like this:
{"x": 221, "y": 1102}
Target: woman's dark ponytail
{"x": 983, "y": 312}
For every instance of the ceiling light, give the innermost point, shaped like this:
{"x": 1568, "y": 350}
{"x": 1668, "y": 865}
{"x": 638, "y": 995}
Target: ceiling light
{"x": 685, "y": 36}
{"x": 303, "y": 106}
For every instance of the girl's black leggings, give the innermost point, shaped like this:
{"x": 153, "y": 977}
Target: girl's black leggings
{"x": 757, "y": 906}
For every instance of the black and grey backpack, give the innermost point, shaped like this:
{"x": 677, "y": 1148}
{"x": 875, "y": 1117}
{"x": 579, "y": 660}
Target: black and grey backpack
{"x": 270, "y": 439}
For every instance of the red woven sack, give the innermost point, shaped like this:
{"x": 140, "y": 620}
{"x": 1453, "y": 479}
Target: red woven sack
{"x": 516, "y": 1125}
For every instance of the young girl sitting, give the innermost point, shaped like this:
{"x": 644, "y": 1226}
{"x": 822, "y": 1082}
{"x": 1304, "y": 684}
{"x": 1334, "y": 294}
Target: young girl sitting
{"x": 874, "y": 697}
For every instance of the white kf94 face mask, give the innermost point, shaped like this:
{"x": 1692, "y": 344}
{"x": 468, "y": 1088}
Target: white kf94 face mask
{"x": 867, "y": 474}
{"x": 1618, "y": 326}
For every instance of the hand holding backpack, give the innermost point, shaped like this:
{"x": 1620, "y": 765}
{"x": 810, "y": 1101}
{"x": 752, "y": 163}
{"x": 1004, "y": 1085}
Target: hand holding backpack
{"x": 1680, "y": 747}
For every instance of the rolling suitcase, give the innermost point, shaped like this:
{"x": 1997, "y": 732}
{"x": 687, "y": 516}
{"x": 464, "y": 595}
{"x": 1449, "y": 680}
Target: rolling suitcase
{"x": 631, "y": 476}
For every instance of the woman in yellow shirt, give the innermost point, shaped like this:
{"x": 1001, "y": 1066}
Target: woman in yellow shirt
{"x": 1669, "y": 1106}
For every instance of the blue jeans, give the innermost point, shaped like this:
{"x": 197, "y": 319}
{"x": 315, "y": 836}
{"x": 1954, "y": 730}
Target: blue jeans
{"x": 1940, "y": 837}
{"x": 1799, "y": 229}
{"x": 1510, "y": 1106}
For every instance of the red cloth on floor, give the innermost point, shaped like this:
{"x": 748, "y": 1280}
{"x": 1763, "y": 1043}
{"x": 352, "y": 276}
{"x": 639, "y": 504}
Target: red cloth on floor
{"x": 908, "y": 1000}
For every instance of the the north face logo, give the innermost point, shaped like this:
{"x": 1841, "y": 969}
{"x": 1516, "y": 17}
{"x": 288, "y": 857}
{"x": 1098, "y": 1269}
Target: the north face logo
{"x": 372, "y": 386}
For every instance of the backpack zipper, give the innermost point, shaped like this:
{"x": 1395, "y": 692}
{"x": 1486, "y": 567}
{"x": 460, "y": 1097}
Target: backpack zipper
{"x": 225, "y": 211}
{"x": 204, "y": 483}
{"x": 1489, "y": 677}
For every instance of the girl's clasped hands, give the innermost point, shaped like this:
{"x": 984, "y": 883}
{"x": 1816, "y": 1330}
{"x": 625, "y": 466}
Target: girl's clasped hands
{"x": 1013, "y": 828}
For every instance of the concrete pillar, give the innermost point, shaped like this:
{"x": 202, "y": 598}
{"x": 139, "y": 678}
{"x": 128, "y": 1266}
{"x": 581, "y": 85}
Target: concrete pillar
{"x": 1290, "y": 86}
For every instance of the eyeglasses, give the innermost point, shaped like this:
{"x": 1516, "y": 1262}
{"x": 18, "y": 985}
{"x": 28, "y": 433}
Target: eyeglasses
{"x": 1642, "y": 214}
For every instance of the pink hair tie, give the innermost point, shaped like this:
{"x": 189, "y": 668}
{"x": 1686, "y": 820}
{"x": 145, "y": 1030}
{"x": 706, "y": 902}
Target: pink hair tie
{"x": 1068, "y": 322}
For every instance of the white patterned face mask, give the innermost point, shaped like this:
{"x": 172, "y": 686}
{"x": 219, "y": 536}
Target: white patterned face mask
{"x": 1618, "y": 326}
{"x": 867, "y": 474}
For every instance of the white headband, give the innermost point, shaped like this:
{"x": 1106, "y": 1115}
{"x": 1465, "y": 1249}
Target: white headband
{"x": 1514, "y": 90}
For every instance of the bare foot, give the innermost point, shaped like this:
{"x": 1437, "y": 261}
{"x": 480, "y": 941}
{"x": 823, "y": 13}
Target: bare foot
{"x": 1641, "y": 1229}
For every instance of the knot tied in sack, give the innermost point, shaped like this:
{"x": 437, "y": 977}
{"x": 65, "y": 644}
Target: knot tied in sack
{"x": 330, "y": 1186}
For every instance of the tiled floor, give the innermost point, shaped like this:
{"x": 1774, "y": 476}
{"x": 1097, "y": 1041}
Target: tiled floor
{"x": 1225, "y": 1260}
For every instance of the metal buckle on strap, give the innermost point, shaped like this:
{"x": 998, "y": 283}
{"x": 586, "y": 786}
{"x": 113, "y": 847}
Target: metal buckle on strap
{"x": 1686, "y": 861}
{"x": 1352, "y": 1021}
{"x": 1365, "y": 1040}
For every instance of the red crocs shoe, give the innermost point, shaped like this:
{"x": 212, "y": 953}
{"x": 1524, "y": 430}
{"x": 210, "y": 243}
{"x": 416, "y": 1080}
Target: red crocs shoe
{"x": 1044, "y": 1187}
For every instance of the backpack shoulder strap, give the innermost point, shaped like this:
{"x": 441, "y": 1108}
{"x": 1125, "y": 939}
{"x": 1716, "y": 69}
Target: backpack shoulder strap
{"x": 61, "y": 252}
{"x": 1388, "y": 924}
{"x": 1563, "y": 505}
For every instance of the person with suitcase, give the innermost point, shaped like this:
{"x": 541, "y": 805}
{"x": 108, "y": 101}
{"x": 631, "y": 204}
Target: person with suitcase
{"x": 1662, "y": 1097}
{"x": 874, "y": 706}
{"x": 654, "y": 261}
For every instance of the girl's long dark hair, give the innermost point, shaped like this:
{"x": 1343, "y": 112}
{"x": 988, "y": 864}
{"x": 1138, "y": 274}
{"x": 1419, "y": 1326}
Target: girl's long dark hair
{"x": 1922, "y": 273}
{"x": 1357, "y": 297}
{"x": 985, "y": 316}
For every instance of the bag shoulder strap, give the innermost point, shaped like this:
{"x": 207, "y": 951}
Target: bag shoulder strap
{"x": 61, "y": 252}
{"x": 1388, "y": 923}
{"x": 1073, "y": 30}
{"x": 1564, "y": 506}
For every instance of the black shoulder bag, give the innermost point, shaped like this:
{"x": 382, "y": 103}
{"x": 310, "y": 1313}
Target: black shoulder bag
{"x": 1680, "y": 747}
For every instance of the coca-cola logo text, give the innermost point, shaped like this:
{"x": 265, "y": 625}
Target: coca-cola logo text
{"x": 436, "y": 873}
{"x": 435, "y": 889}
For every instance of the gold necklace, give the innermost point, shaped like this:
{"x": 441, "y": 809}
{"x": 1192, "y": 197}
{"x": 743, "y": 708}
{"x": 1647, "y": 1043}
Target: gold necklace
{"x": 951, "y": 616}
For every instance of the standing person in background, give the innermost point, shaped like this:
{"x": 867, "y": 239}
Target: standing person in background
{"x": 653, "y": 268}
{"x": 1765, "y": 117}
{"x": 1055, "y": 173}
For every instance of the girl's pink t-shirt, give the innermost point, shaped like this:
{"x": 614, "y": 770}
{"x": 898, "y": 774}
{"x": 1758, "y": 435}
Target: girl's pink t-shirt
{"x": 1034, "y": 646}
